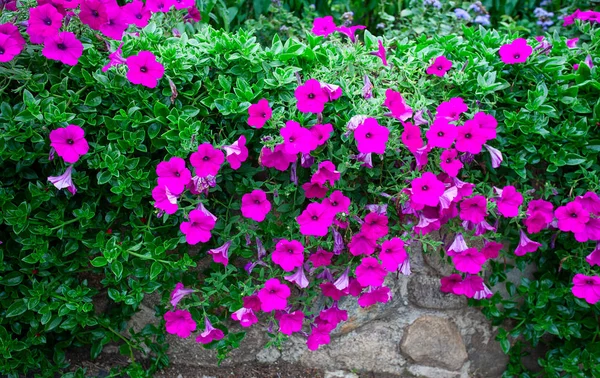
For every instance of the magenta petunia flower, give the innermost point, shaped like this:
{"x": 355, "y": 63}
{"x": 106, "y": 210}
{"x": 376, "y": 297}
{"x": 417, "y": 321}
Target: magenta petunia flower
{"x": 375, "y": 226}
{"x": 331, "y": 317}
{"x": 297, "y": 139}
{"x": 469, "y": 261}
{"x": 144, "y": 69}
{"x": 259, "y": 113}
{"x": 441, "y": 134}
{"x": 70, "y": 4}
{"x": 63, "y": 47}
{"x": 487, "y": 124}
{"x": 315, "y": 220}
{"x": 491, "y": 249}
{"x": 362, "y": 244}
{"x": 220, "y": 255}
{"x": 331, "y": 291}
{"x": 371, "y": 137}
{"x": 379, "y": 295}
{"x": 273, "y": 296}
{"x": 173, "y": 174}
{"x": 381, "y": 53}
{"x": 178, "y": 293}
{"x": 245, "y": 316}
{"x": 298, "y": 278}
{"x": 535, "y": 222}
{"x": 392, "y": 254}
{"x": 450, "y": 163}
{"x": 332, "y": 91}
{"x": 207, "y": 160}
{"x": 276, "y": 158}
{"x": 236, "y": 153}
{"x": 544, "y": 207}
{"x": 64, "y": 181}
{"x": 210, "y": 333}
{"x": 311, "y": 97}
{"x": 572, "y": 43}
{"x": 115, "y": 58}
{"x": 44, "y": 21}
{"x": 179, "y": 323}
{"x": 594, "y": 257}
{"x": 590, "y": 232}
{"x": 370, "y": 272}
{"x": 157, "y": 6}
{"x": 411, "y": 137}
{"x": 572, "y": 217}
{"x": 193, "y": 15}
{"x": 288, "y": 254}
{"x": 586, "y": 287}
{"x": 69, "y": 143}
{"x": 11, "y": 42}
{"x": 473, "y": 209}
{"x": 509, "y": 202}
{"x": 589, "y": 201}
{"x": 255, "y": 205}
{"x": 326, "y": 172}
{"x": 321, "y": 258}
{"x": 319, "y": 336}
{"x": 470, "y": 286}
{"x": 427, "y": 189}
{"x": 469, "y": 138}
{"x": 350, "y": 31}
{"x": 290, "y": 322}
{"x": 439, "y": 67}
{"x": 314, "y": 190}
{"x": 452, "y": 109}
{"x": 323, "y": 26}
{"x": 458, "y": 245}
{"x": 321, "y": 133}
{"x": 526, "y": 245}
{"x": 93, "y": 13}
{"x": 164, "y": 199}
{"x": 397, "y": 105}
{"x": 515, "y": 52}
{"x": 198, "y": 228}
{"x": 116, "y": 24}
{"x": 136, "y": 13}
{"x": 183, "y": 4}
{"x": 337, "y": 203}
{"x": 449, "y": 283}
{"x": 495, "y": 155}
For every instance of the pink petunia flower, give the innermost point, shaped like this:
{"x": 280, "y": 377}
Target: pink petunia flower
{"x": 427, "y": 189}
{"x": 210, "y": 333}
{"x": 178, "y": 293}
{"x": 255, "y": 205}
{"x": 273, "y": 296}
{"x": 491, "y": 249}
{"x": 236, "y": 153}
{"x": 370, "y": 272}
{"x": 207, "y": 160}
{"x": 288, "y": 254}
{"x": 572, "y": 217}
{"x": 380, "y": 53}
{"x": 449, "y": 162}
{"x": 469, "y": 138}
{"x": 487, "y": 124}
{"x": 116, "y": 24}
{"x": 259, "y": 113}
{"x": 469, "y": 261}
{"x": 93, "y": 13}
{"x": 452, "y": 109}
{"x": 276, "y": 158}
{"x": 331, "y": 291}
{"x": 515, "y": 52}
{"x": 441, "y": 134}
{"x": 495, "y": 155}
{"x": 470, "y": 286}
{"x": 397, "y": 105}
{"x": 323, "y": 26}
{"x": 572, "y": 43}
{"x": 136, "y": 13}
{"x": 375, "y": 226}
{"x": 314, "y": 190}
{"x": 509, "y": 202}
{"x": 198, "y": 228}
{"x": 179, "y": 323}
{"x": 536, "y": 222}
{"x": 221, "y": 255}
{"x": 63, "y": 47}
{"x": 526, "y": 245}
{"x": 319, "y": 336}
{"x": 298, "y": 278}
{"x": 69, "y": 143}
{"x": 173, "y": 174}
{"x": 144, "y": 69}
{"x": 44, "y": 21}
{"x": 321, "y": 258}
{"x": 290, "y": 322}
{"x": 371, "y": 137}
{"x": 586, "y": 287}
{"x": 594, "y": 257}
{"x": 157, "y": 6}
{"x": 440, "y": 66}
{"x": 332, "y": 91}
{"x": 337, "y": 203}
{"x": 115, "y": 59}
{"x": 315, "y": 220}
{"x": 473, "y": 209}
{"x": 411, "y": 137}
{"x": 326, "y": 173}
{"x": 297, "y": 139}
{"x": 362, "y": 244}
{"x": 589, "y": 201}
{"x": 458, "y": 245}
{"x": 590, "y": 232}
{"x": 164, "y": 199}
{"x": 379, "y": 295}
{"x": 183, "y": 4}
{"x": 11, "y": 42}
{"x": 311, "y": 98}
{"x": 245, "y": 316}
{"x": 64, "y": 181}
{"x": 350, "y": 31}
{"x": 449, "y": 283}
{"x": 321, "y": 133}
{"x": 392, "y": 254}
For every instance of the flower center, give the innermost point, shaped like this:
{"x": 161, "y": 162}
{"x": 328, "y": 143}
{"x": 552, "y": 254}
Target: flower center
{"x": 177, "y": 174}
{"x": 206, "y": 158}
{"x": 314, "y": 217}
{"x": 138, "y": 16}
{"x": 589, "y": 282}
{"x": 468, "y": 136}
{"x": 61, "y": 46}
{"x": 517, "y": 56}
{"x": 1, "y": 50}
{"x": 47, "y": 21}
{"x": 440, "y": 68}
{"x": 440, "y": 134}
{"x": 143, "y": 69}
{"x": 424, "y": 188}
{"x": 291, "y": 251}
{"x": 292, "y": 139}
{"x": 573, "y": 215}
{"x": 367, "y": 135}
{"x": 334, "y": 203}
{"x": 264, "y": 115}
{"x": 448, "y": 161}
{"x": 272, "y": 291}
{"x": 311, "y": 96}
{"x": 95, "y": 13}
{"x": 257, "y": 202}
{"x": 70, "y": 141}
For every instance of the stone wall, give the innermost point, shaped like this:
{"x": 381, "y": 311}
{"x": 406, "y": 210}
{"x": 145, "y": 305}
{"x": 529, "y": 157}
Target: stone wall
{"x": 421, "y": 332}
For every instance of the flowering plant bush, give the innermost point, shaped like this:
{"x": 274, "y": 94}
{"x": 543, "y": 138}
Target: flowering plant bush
{"x": 300, "y": 171}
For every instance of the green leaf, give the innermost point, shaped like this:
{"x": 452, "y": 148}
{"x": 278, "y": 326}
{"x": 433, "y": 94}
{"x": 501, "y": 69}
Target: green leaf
{"x": 104, "y": 177}
{"x": 155, "y": 270}
{"x": 17, "y": 308}
{"x": 93, "y": 99}
{"x": 99, "y": 261}
{"x": 117, "y": 268}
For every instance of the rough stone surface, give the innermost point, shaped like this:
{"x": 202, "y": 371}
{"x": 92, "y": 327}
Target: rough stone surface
{"x": 424, "y": 292}
{"x": 431, "y": 372}
{"x": 486, "y": 356}
{"x": 436, "y": 342}
{"x": 340, "y": 374}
